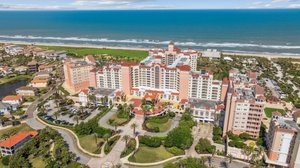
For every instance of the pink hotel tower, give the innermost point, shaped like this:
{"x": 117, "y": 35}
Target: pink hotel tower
{"x": 171, "y": 75}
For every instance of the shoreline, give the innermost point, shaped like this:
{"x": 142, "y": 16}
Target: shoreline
{"x": 226, "y": 53}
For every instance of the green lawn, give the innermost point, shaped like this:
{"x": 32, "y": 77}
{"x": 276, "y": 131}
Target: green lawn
{"x": 10, "y": 79}
{"x": 162, "y": 122}
{"x": 37, "y": 162}
{"x": 20, "y": 128}
{"x": 88, "y": 142}
{"x": 132, "y": 54}
{"x": 268, "y": 111}
{"x": 163, "y": 127}
{"x": 116, "y": 119}
{"x": 147, "y": 154}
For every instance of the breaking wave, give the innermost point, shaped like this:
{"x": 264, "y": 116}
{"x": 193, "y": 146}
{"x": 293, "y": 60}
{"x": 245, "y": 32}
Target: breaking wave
{"x": 153, "y": 42}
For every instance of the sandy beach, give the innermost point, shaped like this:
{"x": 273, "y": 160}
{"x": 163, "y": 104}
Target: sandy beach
{"x": 265, "y": 55}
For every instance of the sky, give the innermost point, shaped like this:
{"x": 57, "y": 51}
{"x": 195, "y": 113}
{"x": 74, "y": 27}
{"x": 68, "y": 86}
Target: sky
{"x": 144, "y": 4}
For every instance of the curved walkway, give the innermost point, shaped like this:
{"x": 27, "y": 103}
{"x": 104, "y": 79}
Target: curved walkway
{"x": 73, "y": 134}
{"x": 174, "y": 124}
{"x": 103, "y": 121}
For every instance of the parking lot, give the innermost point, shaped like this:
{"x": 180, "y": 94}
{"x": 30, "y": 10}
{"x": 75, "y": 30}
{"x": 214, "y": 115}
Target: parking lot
{"x": 67, "y": 115}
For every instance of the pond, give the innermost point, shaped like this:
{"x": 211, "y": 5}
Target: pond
{"x": 9, "y": 88}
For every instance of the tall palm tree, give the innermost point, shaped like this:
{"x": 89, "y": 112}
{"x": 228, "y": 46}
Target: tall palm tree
{"x": 96, "y": 138}
{"x": 133, "y": 126}
{"x": 126, "y": 139}
{"x": 76, "y": 118}
{"x": 115, "y": 124}
{"x": 230, "y": 158}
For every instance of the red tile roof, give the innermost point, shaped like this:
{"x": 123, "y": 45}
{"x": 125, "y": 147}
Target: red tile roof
{"x": 13, "y": 140}
{"x": 12, "y": 97}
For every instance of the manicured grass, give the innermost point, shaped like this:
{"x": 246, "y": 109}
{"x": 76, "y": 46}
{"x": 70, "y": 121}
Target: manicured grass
{"x": 147, "y": 154}
{"x": 15, "y": 129}
{"x": 163, "y": 127}
{"x": 268, "y": 111}
{"x": 37, "y": 162}
{"x": 132, "y": 54}
{"x": 111, "y": 143}
{"x": 116, "y": 119}
{"x": 162, "y": 122}
{"x": 11, "y": 79}
{"x": 66, "y": 93}
{"x": 88, "y": 142}
{"x": 129, "y": 147}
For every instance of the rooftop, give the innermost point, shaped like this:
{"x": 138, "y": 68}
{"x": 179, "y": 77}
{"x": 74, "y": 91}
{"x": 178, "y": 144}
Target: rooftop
{"x": 15, "y": 139}
{"x": 12, "y": 97}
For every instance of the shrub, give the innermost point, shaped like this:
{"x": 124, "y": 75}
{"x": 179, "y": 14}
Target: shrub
{"x": 150, "y": 141}
{"x": 5, "y": 160}
{"x": 172, "y": 114}
{"x": 176, "y": 151}
{"x": 204, "y": 147}
{"x": 237, "y": 144}
{"x": 244, "y": 136}
{"x": 156, "y": 129}
{"x": 181, "y": 137}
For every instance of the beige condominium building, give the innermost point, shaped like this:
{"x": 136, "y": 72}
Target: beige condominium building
{"x": 283, "y": 141}
{"x": 244, "y": 104}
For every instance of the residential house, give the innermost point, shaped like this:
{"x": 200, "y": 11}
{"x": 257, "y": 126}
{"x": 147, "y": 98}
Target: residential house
{"x": 12, "y": 144}
{"x": 27, "y": 91}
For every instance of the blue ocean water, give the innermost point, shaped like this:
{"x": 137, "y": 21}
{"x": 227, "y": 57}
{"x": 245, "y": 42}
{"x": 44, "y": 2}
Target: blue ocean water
{"x": 275, "y": 31}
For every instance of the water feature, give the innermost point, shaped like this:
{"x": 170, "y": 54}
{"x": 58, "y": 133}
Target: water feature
{"x": 9, "y": 88}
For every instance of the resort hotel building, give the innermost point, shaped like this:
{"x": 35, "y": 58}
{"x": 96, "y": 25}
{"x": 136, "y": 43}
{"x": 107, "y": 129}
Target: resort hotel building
{"x": 171, "y": 75}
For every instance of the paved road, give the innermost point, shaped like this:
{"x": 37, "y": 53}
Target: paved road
{"x": 105, "y": 118}
{"x": 32, "y": 122}
{"x": 32, "y": 107}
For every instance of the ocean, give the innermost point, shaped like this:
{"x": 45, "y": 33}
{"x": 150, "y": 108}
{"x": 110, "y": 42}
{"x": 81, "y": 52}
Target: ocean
{"x": 267, "y": 31}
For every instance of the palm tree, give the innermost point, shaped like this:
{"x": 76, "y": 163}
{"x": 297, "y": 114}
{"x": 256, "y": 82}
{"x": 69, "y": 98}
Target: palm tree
{"x": 56, "y": 114}
{"x": 76, "y": 118}
{"x": 106, "y": 137}
{"x": 126, "y": 138}
{"x": 96, "y": 138}
{"x": 115, "y": 124}
{"x": 133, "y": 126}
{"x": 230, "y": 158}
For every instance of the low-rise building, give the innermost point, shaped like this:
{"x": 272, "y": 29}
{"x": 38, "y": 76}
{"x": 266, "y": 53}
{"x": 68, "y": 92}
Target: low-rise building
{"x": 39, "y": 83}
{"x": 33, "y": 66}
{"x": 46, "y": 68}
{"x": 27, "y": 91}
{"x": 10, "y": 145}
{"x": 13, "y": 49}
{"x": 5, "y": 108}
{"x": 211, "y": 54}
{"x": 205, "y": 110}
{"x": 283, "y": 141}
{"x": 83, "y": 97}
{"x": 13, "y": 99}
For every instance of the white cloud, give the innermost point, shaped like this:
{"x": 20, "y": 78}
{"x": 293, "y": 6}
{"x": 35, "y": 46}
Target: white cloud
{"x": 294, "y": 6}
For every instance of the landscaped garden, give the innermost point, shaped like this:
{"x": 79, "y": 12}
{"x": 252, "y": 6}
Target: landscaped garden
{"x": 122, "y": 116}
{"x": 159, "y": 123}
{"x": 130, "y": 145}
{"x": 153, "y": 149}
{"x": 269, "y": 111}
{"x": 92, "y": 143}
{"x": 110, "y": 143}
{"x": 146, "y": 154}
